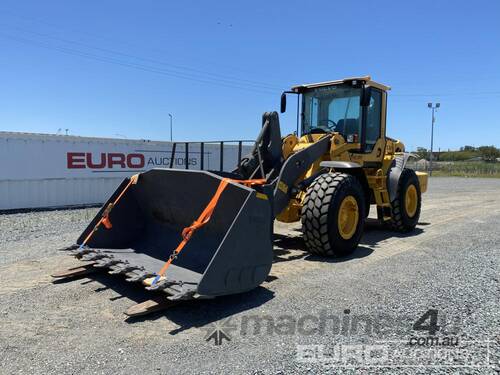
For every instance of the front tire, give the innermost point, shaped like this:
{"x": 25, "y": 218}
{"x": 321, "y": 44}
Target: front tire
{"x": 333, "y": 214}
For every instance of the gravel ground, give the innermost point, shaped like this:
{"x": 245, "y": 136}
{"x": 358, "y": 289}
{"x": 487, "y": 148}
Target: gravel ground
{"x": 451, "y": 264}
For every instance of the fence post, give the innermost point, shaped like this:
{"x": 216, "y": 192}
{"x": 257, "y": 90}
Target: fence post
{"x": 173, "y": 155}
{"x": 222, "y": 156}
{"x": 240, "y": 146}
{"x": 202, "y": 152}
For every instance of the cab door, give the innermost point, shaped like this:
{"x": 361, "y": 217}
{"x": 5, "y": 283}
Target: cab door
{"x": 375, "y": 127}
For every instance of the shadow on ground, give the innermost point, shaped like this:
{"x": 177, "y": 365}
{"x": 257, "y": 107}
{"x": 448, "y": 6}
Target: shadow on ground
{"x": 186, "y": 314}
{"x": 292, "y": 246}
{"x": 376, "y": 232}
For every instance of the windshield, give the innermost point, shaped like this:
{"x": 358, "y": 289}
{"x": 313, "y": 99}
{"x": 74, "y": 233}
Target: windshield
{"x": 334, "y": 108}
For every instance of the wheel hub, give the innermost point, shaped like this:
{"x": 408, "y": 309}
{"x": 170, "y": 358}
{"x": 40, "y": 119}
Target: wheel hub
{"x": 348, "y": 217}
{"x": 411, "y": 200}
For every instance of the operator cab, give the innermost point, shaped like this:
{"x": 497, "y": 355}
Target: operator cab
{"x": 352, "y": 107}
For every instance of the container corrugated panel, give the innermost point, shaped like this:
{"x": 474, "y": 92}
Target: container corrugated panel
{"x": 55, "y": 192}
{"x": 43, "y": 170}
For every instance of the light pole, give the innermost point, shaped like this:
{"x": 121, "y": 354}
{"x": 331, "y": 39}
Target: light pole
{"x": 433, "y": 107}
{"x": 170, "y": 126}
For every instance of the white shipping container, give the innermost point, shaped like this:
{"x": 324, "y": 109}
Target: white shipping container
{"x": 45, "y": 170}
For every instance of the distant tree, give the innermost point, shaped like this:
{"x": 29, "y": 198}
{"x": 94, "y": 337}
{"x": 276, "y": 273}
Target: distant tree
{"x": 465, "y": 153}
{"x": 422, "y": 153}
{"x": 489, "y": 153}
{"x": 468, "y": 148}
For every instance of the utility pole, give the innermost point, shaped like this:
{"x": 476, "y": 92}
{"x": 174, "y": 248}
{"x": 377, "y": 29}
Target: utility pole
{"x": 170, "y": 126}
{"x": 434, "y": 108}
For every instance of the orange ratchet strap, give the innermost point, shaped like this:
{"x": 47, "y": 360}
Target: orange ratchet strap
{"x": 105, "y": 215}
{"x": 203, "y": 219}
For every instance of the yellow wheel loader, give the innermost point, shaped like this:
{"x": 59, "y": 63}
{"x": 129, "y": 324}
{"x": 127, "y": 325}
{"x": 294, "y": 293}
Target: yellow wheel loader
{"x": 202, "y": 234}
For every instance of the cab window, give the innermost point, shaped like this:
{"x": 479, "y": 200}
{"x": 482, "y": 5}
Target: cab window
{"x": 373, "y": 120}
{"x": 333, "y": 108}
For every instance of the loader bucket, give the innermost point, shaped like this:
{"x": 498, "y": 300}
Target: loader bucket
{"x": 232, "y": 253}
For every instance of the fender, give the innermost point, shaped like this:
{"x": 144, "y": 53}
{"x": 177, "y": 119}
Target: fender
{"x": 395, "y": 170}
{"x": 339, "y": 164}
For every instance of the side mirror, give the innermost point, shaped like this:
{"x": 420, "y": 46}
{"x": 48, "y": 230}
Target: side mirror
{"x": 366, "y": 94}
{"x": 283, "y": 103}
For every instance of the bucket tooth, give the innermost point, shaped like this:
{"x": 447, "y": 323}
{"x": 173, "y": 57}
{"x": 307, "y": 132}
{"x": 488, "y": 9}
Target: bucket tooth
{"x": 189, "y": 294}
{"x": 121, "y": 268}
{"x": 163, "y": 284}
{"x": 94, "y": 256}
{"x": 167, "y": 283}
{"x": 138, "y": 277}
{"x": 106, "y": 262}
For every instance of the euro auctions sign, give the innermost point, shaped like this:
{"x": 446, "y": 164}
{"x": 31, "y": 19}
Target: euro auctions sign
{"x": 118, "y": 160}
{"x": 41, "y": 156}
{"x": 82, "y": 160}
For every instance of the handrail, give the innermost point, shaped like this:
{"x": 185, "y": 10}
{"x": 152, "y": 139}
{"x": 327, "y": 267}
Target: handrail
{"x": 218, "y": 141}
{"x": 202, "y": 152}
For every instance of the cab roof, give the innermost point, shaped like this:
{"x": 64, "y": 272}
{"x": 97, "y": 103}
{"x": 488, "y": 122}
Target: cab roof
{"x": 366, "y": 79}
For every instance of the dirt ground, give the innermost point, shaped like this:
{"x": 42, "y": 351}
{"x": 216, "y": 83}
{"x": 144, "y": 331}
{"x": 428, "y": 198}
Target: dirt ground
{"x": 450, "y": 264}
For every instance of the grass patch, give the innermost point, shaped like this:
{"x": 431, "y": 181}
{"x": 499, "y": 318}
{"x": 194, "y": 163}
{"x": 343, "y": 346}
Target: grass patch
{"x": 467, "y": 169}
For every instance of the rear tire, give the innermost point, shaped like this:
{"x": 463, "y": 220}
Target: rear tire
{"x": 333, "y": 214}
{"x": 406, "y": 206}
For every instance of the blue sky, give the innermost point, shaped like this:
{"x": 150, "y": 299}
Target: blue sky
{"x": 108, "y": 68}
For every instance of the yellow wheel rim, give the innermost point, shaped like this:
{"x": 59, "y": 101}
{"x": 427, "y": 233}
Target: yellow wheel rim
{"x": 348, "y": 217}
{"x": 411, "y": 200}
